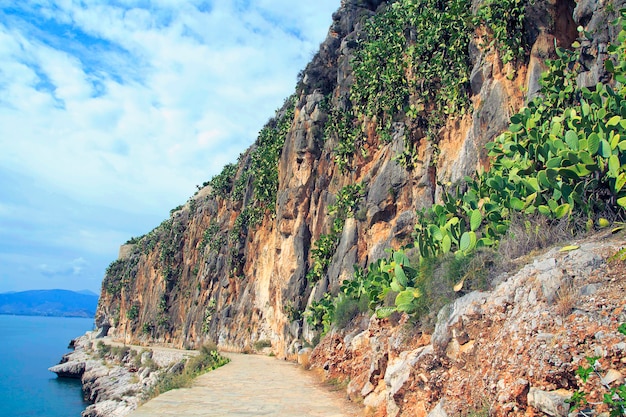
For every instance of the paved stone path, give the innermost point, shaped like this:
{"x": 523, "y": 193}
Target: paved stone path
{"x": 252, "y": 385}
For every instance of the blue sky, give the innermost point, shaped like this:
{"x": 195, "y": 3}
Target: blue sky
{"x": 112, "y": 111}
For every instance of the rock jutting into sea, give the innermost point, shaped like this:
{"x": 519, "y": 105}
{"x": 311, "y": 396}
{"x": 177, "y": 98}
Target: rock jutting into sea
{"x": 116, "y": 378}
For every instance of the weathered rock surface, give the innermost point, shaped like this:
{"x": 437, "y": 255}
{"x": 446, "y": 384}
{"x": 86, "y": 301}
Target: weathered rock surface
{"x": 70, "y": 369}
{"x": 553, "y": 403}
{"x": 514, "y": 348}
{"x": 114, "y": 387}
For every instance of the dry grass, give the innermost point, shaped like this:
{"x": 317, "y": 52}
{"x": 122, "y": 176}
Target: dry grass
{"x": 566, "y": 297}
{"x": 529, "y": 234}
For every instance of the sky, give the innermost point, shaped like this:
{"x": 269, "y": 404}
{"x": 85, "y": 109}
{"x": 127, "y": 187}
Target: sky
{"x": 112, "y": 111}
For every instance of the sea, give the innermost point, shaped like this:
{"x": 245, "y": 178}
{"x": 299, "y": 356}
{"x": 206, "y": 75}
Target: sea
{"x": 29, "y": 345}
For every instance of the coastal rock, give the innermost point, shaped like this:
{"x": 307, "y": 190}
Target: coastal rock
{"x": 72, "y": 369}
{"x": 109, "y": 408}
{"x": 111, "y": 381}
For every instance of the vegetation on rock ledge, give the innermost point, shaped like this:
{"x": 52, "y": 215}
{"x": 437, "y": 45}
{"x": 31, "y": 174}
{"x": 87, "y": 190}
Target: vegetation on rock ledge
{"x": 564, "y": 154}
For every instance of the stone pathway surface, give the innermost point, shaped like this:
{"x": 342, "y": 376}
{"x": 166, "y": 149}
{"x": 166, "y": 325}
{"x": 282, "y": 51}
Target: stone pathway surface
{"x": 252, "y": 385}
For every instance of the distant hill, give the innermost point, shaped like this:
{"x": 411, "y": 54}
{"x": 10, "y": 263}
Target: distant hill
{"x": 60, "y": 303}
{"x": 87, "y": 292}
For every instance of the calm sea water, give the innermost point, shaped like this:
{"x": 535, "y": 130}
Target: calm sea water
{"x": 28, "y": 347}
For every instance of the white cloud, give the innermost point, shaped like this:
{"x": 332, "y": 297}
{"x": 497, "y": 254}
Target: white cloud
{"x": 126, "y": 108}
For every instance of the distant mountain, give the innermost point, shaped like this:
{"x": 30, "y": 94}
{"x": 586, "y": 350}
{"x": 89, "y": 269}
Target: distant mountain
{"x": 87, "y": 292}
{"x": 61, "y": 303}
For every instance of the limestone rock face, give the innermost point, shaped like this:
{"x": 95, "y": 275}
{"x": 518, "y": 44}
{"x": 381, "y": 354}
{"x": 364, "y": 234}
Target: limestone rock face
{"x": 202, "y": 276}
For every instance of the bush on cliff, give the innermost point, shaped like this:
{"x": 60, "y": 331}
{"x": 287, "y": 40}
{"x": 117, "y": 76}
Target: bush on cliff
{"x": 563, "y": 157}
{"x": 206, "y": 360}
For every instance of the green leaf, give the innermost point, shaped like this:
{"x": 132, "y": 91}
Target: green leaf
{"x": 516, "y": 204}
{"x": 406, "y": 308}
{"x": 562, "y": 211}
{"x": 384, "y": 312}
{"x": 614, "y": 165}
{"x": 616, "y": 139}
{"x": 400, "y": 258}
{"x": 622, "y": 202}
{"x": 571, "y": 138}
{"x": 407, "y": 296}
{"x": 594, "y": 143}
{"x": 552, "y": 204}
{"x": 608, "y": 65}
{"x": 446, "y": 244}
{"x": 569, "y": 248}
{"x": 602, "y": 223}
{"x": 613, "y": 121}
{"x": 569, "y": 173}
{"x": 554, "y": 162}
{"x": 435, "y": 232}
{"x": 620, "y": 182}
{"x": 552, "y": 174}
{"x": 533, "y": 184}
{"x": 485, "y": 242}
{"x": 622, "y": 329}
{"x": 605, "y": 149}
{"x": 465, "y": 242}
{"x": 475, "y": 220}
{"x": 468, "y": 242}
{"x": 395, "y": 287}
{"x": 542, "y": 177}
{"x": 545, "y": 210}
{"x": 400, "y": 275}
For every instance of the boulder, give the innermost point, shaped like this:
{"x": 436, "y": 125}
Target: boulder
{"x": 552, "y": 403}
{"x": 438, "y": 411}
{"x": 71, "y": 369}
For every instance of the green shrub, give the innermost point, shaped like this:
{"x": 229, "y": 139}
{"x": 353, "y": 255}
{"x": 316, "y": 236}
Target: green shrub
{"x": 614, "y": 397}
{"x": 346, "y": 309}
{"x": 346, "y": 204}
{"x": 147, "y": 328}
{"x": 102, "y": 349}
{"x": 212, "y": 238}
{"x": 133, "y": 312}
{"x": 504, "y": 20}
{"x": 120, "y": 274}
{"x": 320, "y": 314}
{"x": 262, "y": 344}
{"x": 222, "y": 183}
{"x": 206, "y": 360}
{"x": 413, "y": 63}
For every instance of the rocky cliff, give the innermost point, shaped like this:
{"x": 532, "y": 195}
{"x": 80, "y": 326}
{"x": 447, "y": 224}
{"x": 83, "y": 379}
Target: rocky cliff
{"x": 385, "y": 119}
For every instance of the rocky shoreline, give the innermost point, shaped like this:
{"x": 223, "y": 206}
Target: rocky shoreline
{"x": 116, "y": 378}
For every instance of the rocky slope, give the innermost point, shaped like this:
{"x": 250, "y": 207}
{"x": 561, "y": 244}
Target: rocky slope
{"x": 510, "y": 351}
{"x": 231, "y": 265}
